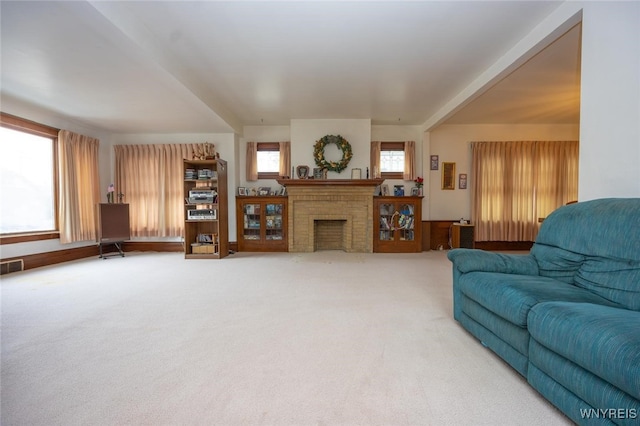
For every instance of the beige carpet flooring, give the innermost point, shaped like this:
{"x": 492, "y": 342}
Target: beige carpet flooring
{"x": 325, "y": 338}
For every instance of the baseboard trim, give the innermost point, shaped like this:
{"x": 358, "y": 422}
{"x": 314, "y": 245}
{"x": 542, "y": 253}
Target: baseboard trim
{"x": 38, "y": 260}
{"x": 161, "y": 246}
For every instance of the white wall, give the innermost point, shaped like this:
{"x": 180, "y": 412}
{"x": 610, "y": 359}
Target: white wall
{"x": 259, "y": 134}
{"x": 304, "y": 133}
{"x": 610, "y": 101}
{"x": 451, "y": 144}
{"x": 401, "y": 134}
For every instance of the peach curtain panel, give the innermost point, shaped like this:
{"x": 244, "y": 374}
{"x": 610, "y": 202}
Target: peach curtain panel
{"x": 151, "y": 179}
{"x": 285, "y": 158}
{"x": 375, "y": 158}
{"x": 409, "y": 161}
{"x": 252, "y": 161}
{"x": 514, "y": 184}
{"x": 78, "y": 186}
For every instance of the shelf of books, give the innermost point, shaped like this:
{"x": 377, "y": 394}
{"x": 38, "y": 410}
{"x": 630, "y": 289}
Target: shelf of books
{"x": 397, "y": 224}
{"x": 262, "y": 223}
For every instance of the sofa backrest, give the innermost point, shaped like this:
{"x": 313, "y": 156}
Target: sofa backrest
{"x": 594, "y": 245}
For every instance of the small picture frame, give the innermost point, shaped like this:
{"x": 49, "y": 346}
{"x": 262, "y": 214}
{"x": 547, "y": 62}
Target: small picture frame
{"x": 398, "y": 190}
{"x": 415, "y": 191}
{"x": 242, "y": 190}
{"x": 384, "y": 190}
{"x": 317, "y": 173}
{"x": 283, "y": 191}
{"x": 462, "y": 181}
{"x": 434, "y": 162}
{"x": 264, "y": 191}
{"x": 302, "y": 172}
{"x": 356, "y": 173}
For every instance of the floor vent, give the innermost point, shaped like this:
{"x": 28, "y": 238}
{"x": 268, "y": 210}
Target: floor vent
{"x": 11, "y": 266}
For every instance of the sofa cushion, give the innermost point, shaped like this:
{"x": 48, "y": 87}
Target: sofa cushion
{"x": 555, "y": 262}
{"x": 600, "y": 339}
{"x": 605, "y": 228}
{"x": 614, "y": 279}
{"x": 512, "y": 296}
{"x": 595, "y": 245}
{"x": 470, "y": 260}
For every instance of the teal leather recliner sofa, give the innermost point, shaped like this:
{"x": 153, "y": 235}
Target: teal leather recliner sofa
{"x": 567, "y": 315}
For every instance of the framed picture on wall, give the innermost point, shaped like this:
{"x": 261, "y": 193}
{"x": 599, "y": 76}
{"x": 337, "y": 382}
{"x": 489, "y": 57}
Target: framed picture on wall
{"x": 462, "y": 182}
{"x": 434, "y": 162}
{"x": 448, "y": 175}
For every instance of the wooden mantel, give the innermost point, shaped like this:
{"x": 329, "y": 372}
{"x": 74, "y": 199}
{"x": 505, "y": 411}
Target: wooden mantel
{"x": 330, "y": 182}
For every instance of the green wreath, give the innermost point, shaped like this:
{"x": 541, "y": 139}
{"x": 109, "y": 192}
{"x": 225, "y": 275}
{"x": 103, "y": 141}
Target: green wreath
{"x": 334, "y": 166}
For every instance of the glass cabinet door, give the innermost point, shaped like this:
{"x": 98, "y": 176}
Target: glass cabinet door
{"x": 386, "y": 226}
{"x": 251, "y": 222}
{"x": 273, "y": 221}
{"x": 405, "y": 222}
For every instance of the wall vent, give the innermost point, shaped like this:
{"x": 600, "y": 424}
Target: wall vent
{"x": 11, "y": 266}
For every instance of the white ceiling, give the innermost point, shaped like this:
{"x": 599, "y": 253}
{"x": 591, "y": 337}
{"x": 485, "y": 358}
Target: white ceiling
{"x": 215, "y": 66}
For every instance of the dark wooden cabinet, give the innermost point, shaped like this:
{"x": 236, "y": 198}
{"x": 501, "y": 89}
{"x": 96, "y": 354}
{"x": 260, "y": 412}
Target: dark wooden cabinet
{"x": 262, "y": 223}
{"x": 462, "y": 236}
{"x": 206, "y": 229}
{"x": 112, "y": 223}
{"x": 397, "y": 224}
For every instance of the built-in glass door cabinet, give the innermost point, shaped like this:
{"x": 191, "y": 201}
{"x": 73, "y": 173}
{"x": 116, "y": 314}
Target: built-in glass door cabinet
{"x": 397, "y": 224}
{"x": 206, "y": 226}
{"x": 262, "y": 223}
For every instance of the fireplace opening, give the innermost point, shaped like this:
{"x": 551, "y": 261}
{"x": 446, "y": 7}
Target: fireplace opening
{"x": 329, "y": 235}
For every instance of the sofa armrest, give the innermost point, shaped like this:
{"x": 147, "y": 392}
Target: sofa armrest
{"x": 470, "y": 260}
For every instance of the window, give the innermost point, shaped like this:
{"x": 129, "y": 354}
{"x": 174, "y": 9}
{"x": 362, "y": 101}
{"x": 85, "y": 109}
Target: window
{"x": 392, "y": 160}
{"x": 27, "y": 177}
{"x": 268, "y": 159}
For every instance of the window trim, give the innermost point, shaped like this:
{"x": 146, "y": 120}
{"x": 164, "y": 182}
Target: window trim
{"x": 391, "y": 146}
{"x": 268, "y": 146}
{"x": 27, "y": 126}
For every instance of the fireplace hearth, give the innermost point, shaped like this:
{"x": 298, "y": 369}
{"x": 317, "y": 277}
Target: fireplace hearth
{"x": 330, "y": 214}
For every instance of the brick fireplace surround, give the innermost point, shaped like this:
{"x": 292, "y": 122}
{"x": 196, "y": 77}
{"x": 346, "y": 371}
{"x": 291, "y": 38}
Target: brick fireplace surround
{"x": 333, "y": 214}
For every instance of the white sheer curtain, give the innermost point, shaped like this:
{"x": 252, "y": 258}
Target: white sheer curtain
{"x": 78, "y": 186}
